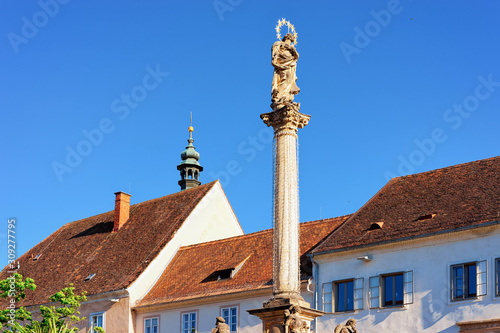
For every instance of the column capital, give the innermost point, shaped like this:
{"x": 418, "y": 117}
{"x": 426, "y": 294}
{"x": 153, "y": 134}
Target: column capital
{"x": 288, "y": 117}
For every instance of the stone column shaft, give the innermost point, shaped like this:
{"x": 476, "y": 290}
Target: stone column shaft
{"x": 286, "y": 273}
{"x": 286, "y": 248}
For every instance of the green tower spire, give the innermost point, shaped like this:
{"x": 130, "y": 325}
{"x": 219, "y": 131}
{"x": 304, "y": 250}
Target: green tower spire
{"x": 190, "y": 168}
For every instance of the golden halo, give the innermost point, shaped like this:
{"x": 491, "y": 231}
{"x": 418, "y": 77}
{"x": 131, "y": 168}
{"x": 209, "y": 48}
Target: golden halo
{"x": 290, "y": 26}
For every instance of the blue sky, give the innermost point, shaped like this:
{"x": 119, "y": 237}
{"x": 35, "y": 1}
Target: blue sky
{"x": 392, "y": 87}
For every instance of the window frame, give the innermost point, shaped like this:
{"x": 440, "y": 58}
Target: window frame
{"x": 336, "y": 298}
{"x": 394, "y": 292}
{"x": 229, "y": 307}
{"x": 151, "y": 318}
{"x": 480, "y": 276}
{"x": 376, "y": 293}
{"x": 330, "y": 295}
{"x": 96, "y": 314}
{"x": 189, "y": 312}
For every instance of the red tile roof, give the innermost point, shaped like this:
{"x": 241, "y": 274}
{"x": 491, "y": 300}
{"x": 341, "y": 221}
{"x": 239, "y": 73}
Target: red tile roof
{"x": 89, "y": 246}
{"x": 443, "y": 200}
{"x": 193, "y": 271}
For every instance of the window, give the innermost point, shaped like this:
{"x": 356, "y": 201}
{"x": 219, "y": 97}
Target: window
{"x": 151, "y": 325}
{"x": 344, "y": 294}
{"x": 468, "y": 280}
{"x": 392, "y": 286}
{"x": 497, "y": 277}
{"x": 189, "y": 320}
{"x": 230, "y": 315}
{"x": 394, "y": 289}
{"x": 347, "y": 295}
{"x": 96, "y": 320}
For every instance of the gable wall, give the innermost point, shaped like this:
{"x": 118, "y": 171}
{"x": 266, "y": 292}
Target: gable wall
{"x": 212, "y": 219}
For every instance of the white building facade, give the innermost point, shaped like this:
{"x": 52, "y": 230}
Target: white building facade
{"x": 418, "y": 285}
{"x": 200, "y": 314}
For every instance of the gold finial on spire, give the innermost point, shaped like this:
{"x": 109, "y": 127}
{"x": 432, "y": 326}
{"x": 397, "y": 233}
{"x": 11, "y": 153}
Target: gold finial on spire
{"x": 190, "y": 129}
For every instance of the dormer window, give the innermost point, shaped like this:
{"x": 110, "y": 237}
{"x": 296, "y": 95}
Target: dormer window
{"x": 426, "y": 217}
{"x": 226, "y": 273}
{"x": 376, "y": 226}
{"x": 37, "y": 257}
{"x": 88, "y": 278}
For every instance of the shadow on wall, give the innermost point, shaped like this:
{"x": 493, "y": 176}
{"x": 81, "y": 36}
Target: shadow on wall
{"x": 432, "y": 310}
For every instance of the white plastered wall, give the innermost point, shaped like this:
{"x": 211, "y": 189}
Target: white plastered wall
{"x": 170, "y": 319}
{"x": 430, "y": 260}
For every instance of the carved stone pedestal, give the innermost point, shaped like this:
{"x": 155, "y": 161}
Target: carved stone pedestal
{"x": 280, "y": 319}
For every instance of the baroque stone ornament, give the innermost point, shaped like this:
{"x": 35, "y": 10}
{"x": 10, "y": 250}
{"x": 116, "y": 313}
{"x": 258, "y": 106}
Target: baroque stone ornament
{"x": 293, "y": 321}
{"x": 349, "y": 327}
{"x": 288, "y": 117}
{"x": 284, "y": 60}
{"x": 220, "y": 326}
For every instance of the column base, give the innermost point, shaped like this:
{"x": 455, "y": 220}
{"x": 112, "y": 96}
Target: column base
{"x": 286, "y": 318}
{"x": 286, "y": 299}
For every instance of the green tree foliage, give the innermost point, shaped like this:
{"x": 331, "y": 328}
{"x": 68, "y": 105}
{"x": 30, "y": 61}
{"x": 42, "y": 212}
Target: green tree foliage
{"x": 13, "y": 289}
{"x": 54, "y": 319}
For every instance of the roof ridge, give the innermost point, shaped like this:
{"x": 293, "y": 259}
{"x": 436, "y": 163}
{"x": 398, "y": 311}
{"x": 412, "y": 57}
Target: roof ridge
{"x": 85, "y": 218}
{"x": 328, "y": 218}
{"x": 212, "y": 183}
{"x": 185, "y": 247}
{"x": 461, "y": 165}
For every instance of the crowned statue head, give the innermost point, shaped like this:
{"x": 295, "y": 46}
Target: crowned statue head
{"x": 289, "y": 37}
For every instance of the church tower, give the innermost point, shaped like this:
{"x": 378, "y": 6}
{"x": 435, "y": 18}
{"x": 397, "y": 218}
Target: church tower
{"x": 189, "y": 167}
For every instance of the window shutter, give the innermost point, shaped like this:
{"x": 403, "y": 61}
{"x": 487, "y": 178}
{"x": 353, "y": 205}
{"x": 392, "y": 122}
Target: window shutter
{"x": 481, "y": 278}
{"x": 497, "y": 276}
{"x": 374, "y": 292}
{"x": 327, "y": 297}
{"x": 358, "y": 293}
{"x": 408, "y": 287}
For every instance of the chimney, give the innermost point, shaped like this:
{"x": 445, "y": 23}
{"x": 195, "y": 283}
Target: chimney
{"x": 122, "y": 210}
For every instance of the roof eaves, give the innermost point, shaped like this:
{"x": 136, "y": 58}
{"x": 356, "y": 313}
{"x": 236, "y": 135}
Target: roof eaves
{"x": 262, "y": 289}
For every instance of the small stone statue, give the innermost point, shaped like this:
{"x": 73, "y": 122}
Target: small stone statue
{"x": 349, "y": 327}
{"x": 284, "y": 60}
{"x": 293, "y": 322}
{"x": 220, "y": 326}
